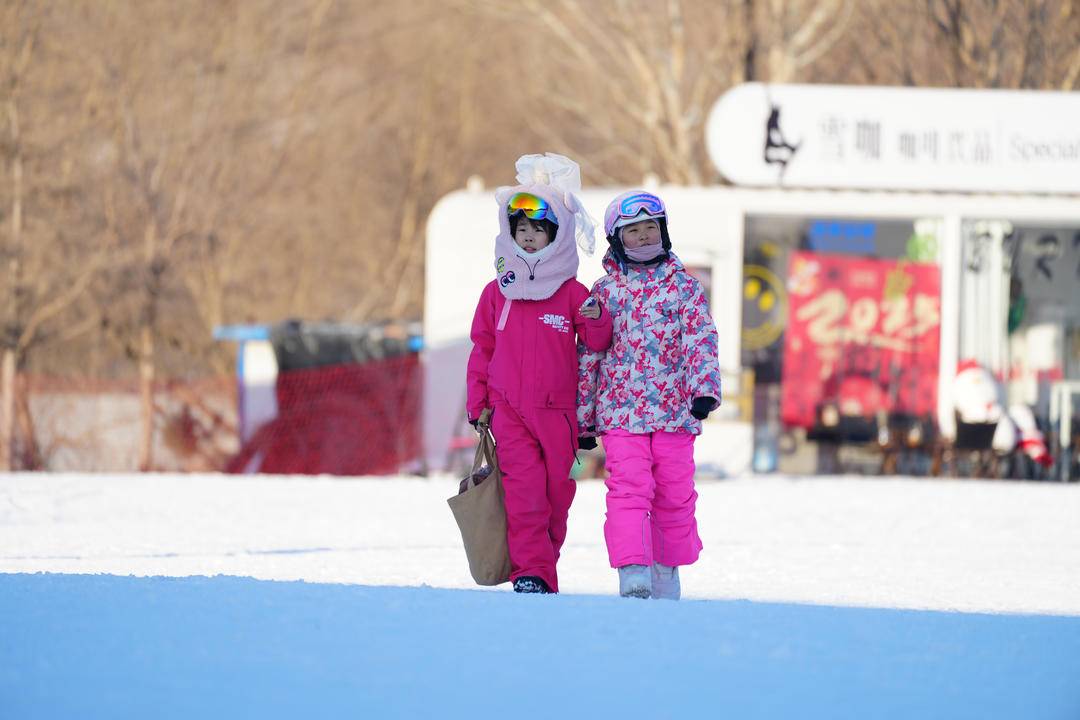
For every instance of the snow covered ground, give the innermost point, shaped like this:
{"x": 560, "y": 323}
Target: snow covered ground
{"x": 172, "y": 596}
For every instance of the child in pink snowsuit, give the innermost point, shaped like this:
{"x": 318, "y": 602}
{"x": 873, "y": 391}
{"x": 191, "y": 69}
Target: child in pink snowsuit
{"x": 647, "y": 395}
{"x": 524, "y": 362}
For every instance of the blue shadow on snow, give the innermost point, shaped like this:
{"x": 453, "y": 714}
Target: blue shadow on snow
{"x": 127, "y": 647}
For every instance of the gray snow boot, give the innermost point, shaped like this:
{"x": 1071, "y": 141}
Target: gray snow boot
{"x": 665, "y": 582}
{"x": 635, "y": 581}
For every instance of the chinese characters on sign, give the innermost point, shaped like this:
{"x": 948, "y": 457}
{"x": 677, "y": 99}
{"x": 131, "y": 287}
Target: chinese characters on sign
{"x": 862, "y": 333}
{"x": 865, "y": 140}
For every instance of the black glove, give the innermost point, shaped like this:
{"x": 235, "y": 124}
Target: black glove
{"x": 702, "y": 406}
{"x": 586, "y": 443}
{"x": 475, "y": 422}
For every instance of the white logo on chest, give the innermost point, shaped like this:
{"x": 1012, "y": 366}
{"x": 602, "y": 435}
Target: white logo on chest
{"x": 558, "y": 322}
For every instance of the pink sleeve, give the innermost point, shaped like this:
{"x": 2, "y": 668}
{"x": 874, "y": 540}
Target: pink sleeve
{"x": 483, "y": 338}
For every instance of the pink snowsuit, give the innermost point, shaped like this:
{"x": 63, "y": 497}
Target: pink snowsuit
{"x": 637, "y": 395}
{"x": 524, "y": 364}
{"x": 528, "y": 373}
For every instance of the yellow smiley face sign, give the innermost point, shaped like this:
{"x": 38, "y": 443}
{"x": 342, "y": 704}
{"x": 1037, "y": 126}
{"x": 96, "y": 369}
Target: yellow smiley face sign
{"x": 765, "y": 306}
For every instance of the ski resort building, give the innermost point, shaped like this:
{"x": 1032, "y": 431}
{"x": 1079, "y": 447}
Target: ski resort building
{"x": 876, "y": 241}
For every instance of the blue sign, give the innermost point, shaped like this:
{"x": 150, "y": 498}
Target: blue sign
{"x": 839, "y": 236}
{"x": 241, "y": 333}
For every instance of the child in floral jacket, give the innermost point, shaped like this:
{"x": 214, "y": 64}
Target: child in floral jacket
{"x": 647, "y": 395}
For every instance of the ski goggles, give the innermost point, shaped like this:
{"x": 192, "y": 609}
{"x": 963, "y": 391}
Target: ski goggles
{"x": 535, "y": 208}
{"x": 633, "y": 208}
{"x": 634, "y": 205}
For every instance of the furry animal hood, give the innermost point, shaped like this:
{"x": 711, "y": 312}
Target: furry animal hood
{"x": 536, "y": 276}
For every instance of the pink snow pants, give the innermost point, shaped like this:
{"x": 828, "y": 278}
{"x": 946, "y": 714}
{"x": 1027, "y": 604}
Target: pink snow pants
{"x": 535, "y": 449}
{"x": 650, "y": 498}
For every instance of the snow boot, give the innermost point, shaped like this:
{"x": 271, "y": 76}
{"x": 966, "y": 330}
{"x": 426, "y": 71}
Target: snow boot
{"x": 665, "y": 582}
{"x": 531, "y": 584}
{"x": 635, "y": 581}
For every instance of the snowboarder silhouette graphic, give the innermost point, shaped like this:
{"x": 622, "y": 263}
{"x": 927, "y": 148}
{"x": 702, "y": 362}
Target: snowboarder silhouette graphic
{"x": 778, "y": 151}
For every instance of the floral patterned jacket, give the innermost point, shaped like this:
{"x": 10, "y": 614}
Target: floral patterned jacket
{"x": 663, "y": 352}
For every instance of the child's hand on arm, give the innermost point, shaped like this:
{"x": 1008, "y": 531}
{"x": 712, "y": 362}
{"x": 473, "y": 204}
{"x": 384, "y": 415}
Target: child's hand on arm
{"x": 593, "y": 323}
{"x": 590, "y": 308}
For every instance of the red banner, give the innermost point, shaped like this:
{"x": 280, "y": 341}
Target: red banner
{"x": 862, "y": 334}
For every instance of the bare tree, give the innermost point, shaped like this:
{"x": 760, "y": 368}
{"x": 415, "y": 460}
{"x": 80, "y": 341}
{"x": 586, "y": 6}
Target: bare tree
{"x": 194, "y": 161}
{"x": 429, "y": 148}
{"x": 46, "y": 269}
{"x": 624, "y": 86}
{"x": 961, "y": 43}
{"x": 19, "y": 50}
{"x": 632, "y": 82}
{"x": 794, "y": 34}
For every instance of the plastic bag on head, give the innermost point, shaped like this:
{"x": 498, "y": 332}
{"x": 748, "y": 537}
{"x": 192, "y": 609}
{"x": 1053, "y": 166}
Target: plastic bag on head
{"x": 563, "y": 174}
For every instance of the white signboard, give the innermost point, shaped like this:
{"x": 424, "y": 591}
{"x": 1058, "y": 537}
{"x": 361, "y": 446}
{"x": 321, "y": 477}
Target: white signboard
{"x": 833, "y": 136}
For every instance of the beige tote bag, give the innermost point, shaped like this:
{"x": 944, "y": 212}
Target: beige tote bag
{"x": 480, "y": 513}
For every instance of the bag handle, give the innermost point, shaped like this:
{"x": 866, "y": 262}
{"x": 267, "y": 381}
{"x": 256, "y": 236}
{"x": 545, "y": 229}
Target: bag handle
{"x": 485, "y": 449}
